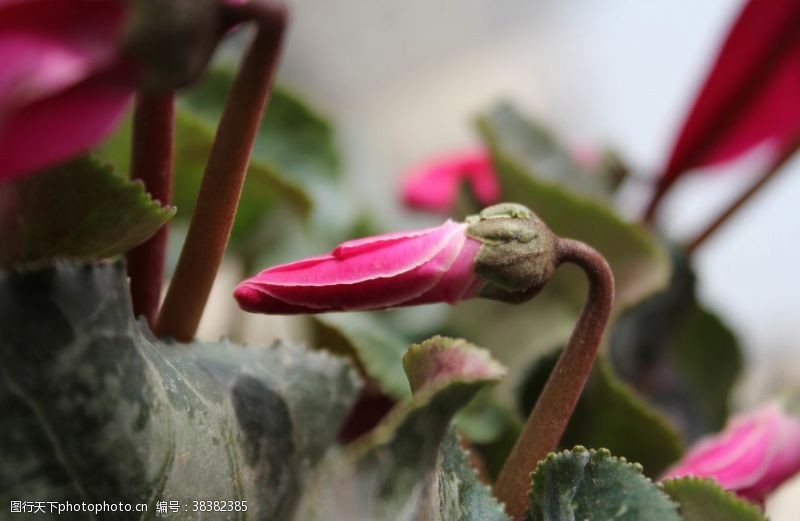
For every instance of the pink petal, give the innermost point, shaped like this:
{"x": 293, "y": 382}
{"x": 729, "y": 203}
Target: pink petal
{"x": 754, "y": 454}
{"x": 435, "y": 186}
{"x": 397, "y": 269}
{"x": 60, "y": 126}
{"x": 751, "y": 94}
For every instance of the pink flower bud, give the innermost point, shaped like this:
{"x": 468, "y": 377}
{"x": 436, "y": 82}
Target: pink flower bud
{"x": 752, "y": 456}
{"x": 63, "y": 85}
{"x": 505, "y": 253}
{"x": 435, "y": 185}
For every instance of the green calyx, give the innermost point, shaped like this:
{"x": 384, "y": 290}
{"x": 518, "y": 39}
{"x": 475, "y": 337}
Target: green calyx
{"x": 518, "y": 256}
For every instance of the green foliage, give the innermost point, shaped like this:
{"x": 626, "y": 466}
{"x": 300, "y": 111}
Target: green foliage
{"x": 293, "y": 164}
{"x": 586, "y": 484}
{"x": 77, "y": 210}
{"x": 703, "y": 500}
{"x": 609, "y": 414}
{"x": 664, "y": 347}
{"x": 388, "y": 473}
{"x": 97, "y": 410}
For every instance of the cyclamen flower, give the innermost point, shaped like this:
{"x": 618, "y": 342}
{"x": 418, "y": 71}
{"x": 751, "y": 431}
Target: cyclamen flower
{"x": 505, "y": 253}
{"x": 435, "y": 185}
{"x": 63, "y": 84}
{"x": 752, "y": 456}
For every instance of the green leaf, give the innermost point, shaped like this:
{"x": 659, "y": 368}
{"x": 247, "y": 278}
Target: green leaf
{"x": 609, "y": 414}
{"x": 386, "y": 474}
{"x": 664, "y": 346}
{"x": 99, "y": 410}
{"x": 77, "y": 210}
{"x": 703, "y": 500}
{"x": 640, "y": 263}
{"x": 377, "y": 349}
{"x": 583, "y": 484}
{"x": 293, "y": 164}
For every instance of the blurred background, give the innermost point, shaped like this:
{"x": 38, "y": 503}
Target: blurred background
{"x": 401, "y": 82}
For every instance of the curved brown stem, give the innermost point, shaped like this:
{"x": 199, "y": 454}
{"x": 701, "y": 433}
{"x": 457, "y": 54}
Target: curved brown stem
{"x": 221, "y": 188}
{"x": 555, "y": 405}
{"x": 151, "y": 162}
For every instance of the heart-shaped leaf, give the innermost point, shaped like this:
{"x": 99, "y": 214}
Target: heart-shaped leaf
{"x": 78, "y": 210}
{"x": 591, "y": 484}
{"x": 387, "y": 474}
{"x": 99, "y": 410}
{"x": 704, "y": 500}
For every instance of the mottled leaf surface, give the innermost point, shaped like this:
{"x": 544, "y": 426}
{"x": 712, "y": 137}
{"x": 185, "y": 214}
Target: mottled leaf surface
{"x": 391, "y": 472}
{"x": 609, "y": 414}
{"x": 78, "y": 210}
{"x": 704, "y": 500}
{"x": 583, "y": 484}
{"x": 95, "y": 409}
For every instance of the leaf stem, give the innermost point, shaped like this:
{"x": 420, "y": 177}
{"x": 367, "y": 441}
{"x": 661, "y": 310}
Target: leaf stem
{"x": 224, "y": 175}
{"x": 555, "y": 405}
{"x": 725, "y": 215}
{"x": 151, "y": 162}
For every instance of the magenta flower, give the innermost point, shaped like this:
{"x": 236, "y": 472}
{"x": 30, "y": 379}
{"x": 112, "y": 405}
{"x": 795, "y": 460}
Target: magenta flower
{"x": 435, "y": 185}
{"x": 505, "y": 253}
{"x": 752, "y": 456}
{"x": 63, "y": 84}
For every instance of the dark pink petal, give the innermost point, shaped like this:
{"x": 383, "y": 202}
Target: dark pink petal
{"x": 62, "y": 83}
{"x": 433, "y": 265}
{"x": 752, "y": 94}
{"x": 753, "y": 455}
{"x": 435, "y": 185}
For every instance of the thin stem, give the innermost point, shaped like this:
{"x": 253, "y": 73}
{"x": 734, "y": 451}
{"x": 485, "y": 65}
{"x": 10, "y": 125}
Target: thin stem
{"x": 661, "y": 190}
{"x": 221, "y": 188}
{"x": 726, "y": 214}
{"x": 555, "y": 405}
{"x": 151, "y": 162}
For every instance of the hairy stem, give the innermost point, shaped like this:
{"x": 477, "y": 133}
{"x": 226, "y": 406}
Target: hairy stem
{"x": 752, "y": 190}
{"x": 151, "y": 162}
{"x": 221, "y": 188}
{"x": 555, "y": 405}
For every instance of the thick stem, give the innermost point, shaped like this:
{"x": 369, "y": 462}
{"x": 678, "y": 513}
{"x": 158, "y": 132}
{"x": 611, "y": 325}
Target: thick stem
{"x": 726, "y": 214}
{"x": 555, "y": 405}
{"x": 151, "y": 162}
{"x": 221, "y": 188}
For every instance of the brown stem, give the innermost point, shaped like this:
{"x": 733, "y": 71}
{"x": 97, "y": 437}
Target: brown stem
{"x": 151, "y": 162}
{"x": 221, "y": 188}
{"x": 726, "y": 214}
{"x": 555, "y": 405}
{"x": 655, "y": 201}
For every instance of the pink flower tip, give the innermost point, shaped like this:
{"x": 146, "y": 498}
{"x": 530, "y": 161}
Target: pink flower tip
{"x": 752, "y": 456}
{"x": 435, "y": 185}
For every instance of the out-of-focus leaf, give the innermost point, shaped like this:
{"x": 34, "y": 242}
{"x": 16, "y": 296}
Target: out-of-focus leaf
{"x": 77, "y": 210}
{"x": 391, "y": 472}
{"x": 664, "y": 346}
{"x": 293, "y": 165}
{"x": 591, "y": 484}
{"x": 640, "y": 263}
{"x": 377, "y": 349}
{"x": 610, "y": 415}
{"x": 95, "y": 409}
{"x": 750, "y": 94}
{"x": 703, "y": 500}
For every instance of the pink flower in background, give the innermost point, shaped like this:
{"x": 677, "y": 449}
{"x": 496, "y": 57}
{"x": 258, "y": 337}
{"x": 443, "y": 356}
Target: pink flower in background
{"x": 751, "y": 95}
{"x": 752, "y": 456}
{"x": 63, "y": 85}
{"x": 435, "y": 185}
{"x": 396, "y": 269}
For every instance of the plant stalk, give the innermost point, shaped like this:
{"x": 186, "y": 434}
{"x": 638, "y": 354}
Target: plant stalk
{"x": 151, "y": 162}
{"x": 752, "y": 190}
{"x": 553, "y": 409}
{"x": 221, "y": 188}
